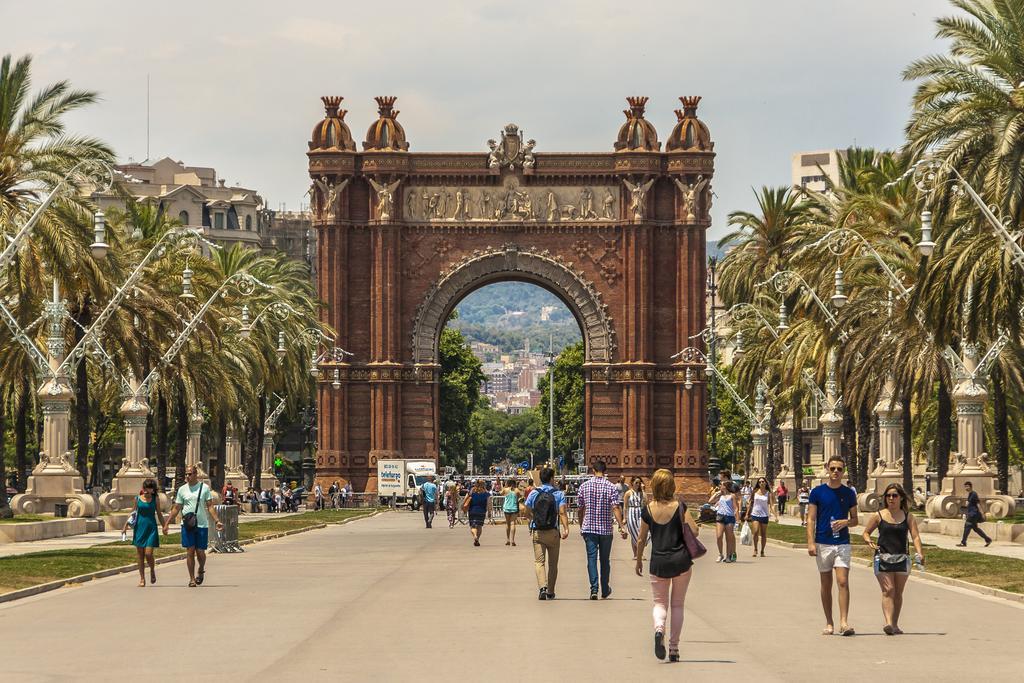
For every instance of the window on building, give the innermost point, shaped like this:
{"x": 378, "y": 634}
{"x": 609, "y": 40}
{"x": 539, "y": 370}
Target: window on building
{"x": 183, "y": 217}
{"x": 218, "y": 220}
{"x": 248, "y": 222}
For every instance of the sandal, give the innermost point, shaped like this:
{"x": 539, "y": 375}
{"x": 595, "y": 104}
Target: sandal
{"x": 142, "y": 583}
{"x": 828, "y": 631}
{"x": 199, "y": 577}
{"x": 848, "y": 631}
{"x": 191, "y": 584}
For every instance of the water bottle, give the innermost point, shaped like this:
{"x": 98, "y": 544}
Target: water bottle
{"x": 832, "y": 520}
{"x": 919, "y": 562}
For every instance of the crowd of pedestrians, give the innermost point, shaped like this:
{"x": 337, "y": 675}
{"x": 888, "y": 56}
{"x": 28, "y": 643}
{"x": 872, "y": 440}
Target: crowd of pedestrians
{"x": 653, "y": 518}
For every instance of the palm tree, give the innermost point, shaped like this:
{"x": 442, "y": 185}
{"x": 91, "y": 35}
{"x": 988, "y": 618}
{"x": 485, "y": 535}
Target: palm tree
{"x": 969, "y": 113}
{"x": 36, "y": 152}
{"x": 762, "y": 243}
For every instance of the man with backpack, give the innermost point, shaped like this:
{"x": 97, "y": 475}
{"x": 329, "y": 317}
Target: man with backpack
{"x": 549, "y": 524}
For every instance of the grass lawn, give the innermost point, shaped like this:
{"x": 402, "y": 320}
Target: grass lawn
{"x": 21, "y": 571}
{"x": 18, "y": 519}
{"x": 1005, "y": 573}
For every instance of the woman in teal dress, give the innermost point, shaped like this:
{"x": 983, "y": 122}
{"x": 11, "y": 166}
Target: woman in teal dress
{"x": 146, "y": 535}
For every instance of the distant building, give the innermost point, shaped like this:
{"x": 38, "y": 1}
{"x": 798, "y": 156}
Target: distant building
{"x": 292, "y": 232}
{"x": 195, "y": 196}
{"x": 810, "y": 169}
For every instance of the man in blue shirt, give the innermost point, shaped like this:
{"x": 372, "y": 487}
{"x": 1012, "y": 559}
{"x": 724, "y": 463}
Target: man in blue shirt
{"x": 428, "y": 492}
{"x": 549, "y": 524}
{"x": 831, "y": 511}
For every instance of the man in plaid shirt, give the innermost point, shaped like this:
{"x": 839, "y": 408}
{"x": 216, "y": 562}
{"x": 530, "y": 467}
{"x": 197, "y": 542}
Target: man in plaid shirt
{"x": 598, "y": 501}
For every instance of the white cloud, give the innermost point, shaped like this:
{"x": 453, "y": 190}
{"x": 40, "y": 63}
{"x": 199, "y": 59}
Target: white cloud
{"x": 236, "y": 84}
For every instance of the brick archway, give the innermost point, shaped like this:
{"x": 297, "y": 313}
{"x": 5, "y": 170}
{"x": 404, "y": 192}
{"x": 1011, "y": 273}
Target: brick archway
{"x": 620, "y": 236}
{"x": 513, "y": 262}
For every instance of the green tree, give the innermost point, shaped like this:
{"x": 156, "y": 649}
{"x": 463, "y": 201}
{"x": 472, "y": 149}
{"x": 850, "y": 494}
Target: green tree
{"x": 568, "y": 400}
{"x": 733, "y": 427}
{"x": 461, "y": 375}
{"x": 35, "y": 153}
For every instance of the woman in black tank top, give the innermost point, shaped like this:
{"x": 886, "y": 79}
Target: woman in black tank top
{"x": 662, "y": 519}
{"x": 892, "y": 563}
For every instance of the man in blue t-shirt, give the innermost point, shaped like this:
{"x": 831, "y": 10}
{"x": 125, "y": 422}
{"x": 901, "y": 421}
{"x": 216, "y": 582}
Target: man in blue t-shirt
{"x": 831, "y": 511}
{"x": 547, "y": 541}
{"x": 428, "y": 493}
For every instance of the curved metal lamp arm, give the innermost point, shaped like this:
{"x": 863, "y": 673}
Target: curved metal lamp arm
{"x": 926, "y": 178}
{"x": 278, "y": 309}
{"x": 783, "y": 283}
{"x": 246, "y": 284}
{"x": 271, "y": 420}
{"x": 37, "y": 356}
{"x": 15, "y": 242}
{"x": 691, "y": 354}
{"x": 836, "y": 241}
{"x": 108, "y": 311}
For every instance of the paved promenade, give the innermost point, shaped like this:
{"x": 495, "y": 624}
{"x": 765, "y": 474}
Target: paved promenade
{"x": 384, "y": 599}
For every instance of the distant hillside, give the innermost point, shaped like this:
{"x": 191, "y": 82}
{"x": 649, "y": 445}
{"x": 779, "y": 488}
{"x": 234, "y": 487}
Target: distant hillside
{"x": 507, "y": 313}
{"x": 714, "y": 250}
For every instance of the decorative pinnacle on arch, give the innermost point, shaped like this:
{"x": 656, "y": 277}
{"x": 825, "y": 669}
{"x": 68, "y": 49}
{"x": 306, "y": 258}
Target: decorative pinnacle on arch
{"x": 385, "y": 105}
{"x": 689, "y": 106}
{"x": 637, "y": 106}
{"x": 331, "y": 104}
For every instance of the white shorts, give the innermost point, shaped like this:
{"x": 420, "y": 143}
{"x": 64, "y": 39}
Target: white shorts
{"x": 830, "y": 557}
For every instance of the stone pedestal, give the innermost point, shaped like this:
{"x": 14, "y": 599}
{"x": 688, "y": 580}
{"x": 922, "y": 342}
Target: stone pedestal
{"x": 55, "y": 481}
{"x": 233, "y": 472}
{"x": 759, "y": 452}
{"x": 134, "y": 466}
{"x": 889, "y": 464}
{"x": 267, "y": 478}
{"x": 970, "y": 464}
{"x": 786, "y": 473}
{"x": 193, "y": 454}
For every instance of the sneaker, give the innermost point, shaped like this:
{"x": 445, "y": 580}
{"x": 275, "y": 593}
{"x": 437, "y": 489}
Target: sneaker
{"x": 605, "y": 596}
{"x": 543, "y": 594}
{"x": 961, "y": 545}
{"x": 988, "y": 542}
{"x": 593, "y": 594}
{"x": 659, "y": 644}
{"x": 673, "y": 656}
{"x": 721, "y": 558}
{"x": 551, "y": 596}
{"x": 732, "y": 558}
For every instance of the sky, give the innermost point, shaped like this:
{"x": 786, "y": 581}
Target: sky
{"x": 236, "y": 85}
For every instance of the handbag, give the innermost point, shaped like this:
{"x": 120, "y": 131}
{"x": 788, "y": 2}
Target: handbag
{"x": 746, "y": 536}
{"x": 693, "y": 544}
{"x": 189, "y": 521}
{"x": 891, "y": 562}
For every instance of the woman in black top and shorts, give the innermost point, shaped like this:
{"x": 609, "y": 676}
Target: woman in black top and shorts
{"x": 663, "y": 519}
{"x": 892, "y": 563}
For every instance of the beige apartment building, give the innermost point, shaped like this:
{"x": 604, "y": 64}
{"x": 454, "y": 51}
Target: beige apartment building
{"x": 811, "y": 169}
{"x": 196, "y": 197}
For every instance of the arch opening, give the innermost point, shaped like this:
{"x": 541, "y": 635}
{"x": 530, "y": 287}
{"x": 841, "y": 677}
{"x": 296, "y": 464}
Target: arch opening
{"x": 511, "y": 263}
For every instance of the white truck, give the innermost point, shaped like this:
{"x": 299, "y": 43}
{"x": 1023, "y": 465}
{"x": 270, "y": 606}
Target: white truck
{"x": 403, "y": 478}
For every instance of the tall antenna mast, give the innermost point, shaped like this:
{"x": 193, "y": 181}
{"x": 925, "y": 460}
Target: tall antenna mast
{"x": 147, "y": 117}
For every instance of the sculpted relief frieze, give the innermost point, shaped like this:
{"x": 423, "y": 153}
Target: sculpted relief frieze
{"x": 511, "y": 202}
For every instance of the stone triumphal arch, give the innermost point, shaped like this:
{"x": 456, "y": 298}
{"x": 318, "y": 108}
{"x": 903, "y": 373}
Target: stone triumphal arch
{"x": 404, "y": 236}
